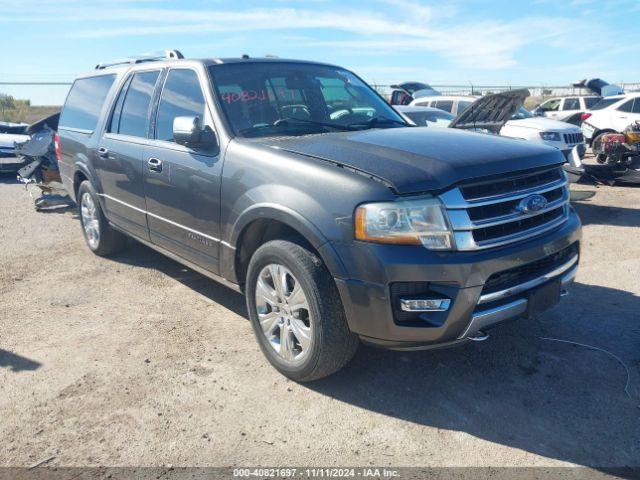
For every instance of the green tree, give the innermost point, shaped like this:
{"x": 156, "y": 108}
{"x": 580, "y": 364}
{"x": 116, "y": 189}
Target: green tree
{"x": 7, "y": 102}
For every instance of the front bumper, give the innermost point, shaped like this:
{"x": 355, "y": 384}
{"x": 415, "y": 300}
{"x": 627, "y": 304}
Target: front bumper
{"x": 580, "y": 147}
{"x": 461, "y": 276}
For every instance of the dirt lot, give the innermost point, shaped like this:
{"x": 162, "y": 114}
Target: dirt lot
{"x": 134, "y": 360}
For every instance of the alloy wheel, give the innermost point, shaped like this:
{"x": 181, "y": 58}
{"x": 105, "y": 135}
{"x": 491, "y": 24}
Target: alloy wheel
{"x": 89, "y": 218}
{"x": 283, "y": 312}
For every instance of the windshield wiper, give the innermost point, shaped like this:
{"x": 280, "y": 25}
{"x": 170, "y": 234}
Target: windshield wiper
{"x": 372, "y": 122}
{"x": 293, "y": 121}
{"x": 290, "y": 121}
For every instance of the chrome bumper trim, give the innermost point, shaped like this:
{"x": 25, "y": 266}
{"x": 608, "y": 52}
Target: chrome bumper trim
{"x": 518, "y": 307}
{"x": 495, "y": 315}
{"x": 515, "y": 290}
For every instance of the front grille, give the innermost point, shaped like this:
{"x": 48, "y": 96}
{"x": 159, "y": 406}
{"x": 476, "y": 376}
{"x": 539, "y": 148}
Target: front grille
{"x": 500, "y": 187}
{"x": 489, "y": 213}
{"x": 573, "y": 138}
{"x": 505, "y": 229}
{"x": 493, "y": 210}
{"x": 517, "y": 275}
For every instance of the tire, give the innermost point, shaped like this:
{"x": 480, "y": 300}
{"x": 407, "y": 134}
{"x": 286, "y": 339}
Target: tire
{"x": 601, "y": 158}
{"x": 319, "y": 340}
{"x": 99, "y": 236}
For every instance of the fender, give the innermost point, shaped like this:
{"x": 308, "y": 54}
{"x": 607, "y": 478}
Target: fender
{"x": 284, "y": 215}
{"x": 80, "y": 165}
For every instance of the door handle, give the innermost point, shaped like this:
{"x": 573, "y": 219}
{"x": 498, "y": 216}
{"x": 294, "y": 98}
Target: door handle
{"x": 103, "y": 152}
{"x": 154, "y": 164}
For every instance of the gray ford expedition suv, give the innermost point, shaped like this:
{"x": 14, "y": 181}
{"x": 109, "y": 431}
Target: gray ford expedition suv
{"x": 295, "y": 183}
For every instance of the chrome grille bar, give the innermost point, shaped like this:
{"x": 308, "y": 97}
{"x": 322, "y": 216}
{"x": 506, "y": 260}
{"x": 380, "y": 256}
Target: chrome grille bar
{"x": 460, "y": 218}
{"x": 454, "y": 199}
{"x": 466, "y": 230}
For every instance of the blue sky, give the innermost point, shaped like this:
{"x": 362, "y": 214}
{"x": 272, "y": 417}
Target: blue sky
{"x": 516, "y": 42}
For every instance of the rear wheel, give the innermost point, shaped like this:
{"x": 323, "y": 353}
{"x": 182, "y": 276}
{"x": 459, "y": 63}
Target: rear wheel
{"x": 296, "y": 312}
{"x": 100, "y": 237}
{"x": 601, "y": 158}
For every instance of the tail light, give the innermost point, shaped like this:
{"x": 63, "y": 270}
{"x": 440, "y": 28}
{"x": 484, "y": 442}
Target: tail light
{"x": 56, "y": 144}
{"x": 584, "y": 116}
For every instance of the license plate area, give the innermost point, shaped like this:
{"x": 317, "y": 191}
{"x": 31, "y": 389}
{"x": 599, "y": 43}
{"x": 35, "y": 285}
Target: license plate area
{"x": 543, "y": 298}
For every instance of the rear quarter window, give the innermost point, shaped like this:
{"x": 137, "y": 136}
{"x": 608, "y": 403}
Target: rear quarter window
{"x": 85, "y": 101}
{"x": 604, "y": 103}
{"x": 590, "y": 101}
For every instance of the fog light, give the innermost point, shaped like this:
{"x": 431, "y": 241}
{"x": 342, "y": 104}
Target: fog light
{"x": 424, "y": 304}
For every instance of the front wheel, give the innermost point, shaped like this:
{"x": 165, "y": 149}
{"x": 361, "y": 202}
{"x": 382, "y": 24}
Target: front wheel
{"x": 296, "y": 312}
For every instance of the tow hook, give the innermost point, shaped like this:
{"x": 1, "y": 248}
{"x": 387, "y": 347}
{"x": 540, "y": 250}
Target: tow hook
{"x": 479, "y": 336}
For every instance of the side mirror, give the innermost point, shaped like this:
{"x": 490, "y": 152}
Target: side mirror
{"x": 537, "y": 112}
{"x": 188, "y": 131}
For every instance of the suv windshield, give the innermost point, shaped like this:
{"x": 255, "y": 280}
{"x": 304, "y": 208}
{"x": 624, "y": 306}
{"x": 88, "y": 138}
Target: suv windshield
{"x": 262, "y": 99}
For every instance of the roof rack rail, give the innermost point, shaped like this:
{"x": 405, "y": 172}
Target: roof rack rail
{"x": 148, "y": 57}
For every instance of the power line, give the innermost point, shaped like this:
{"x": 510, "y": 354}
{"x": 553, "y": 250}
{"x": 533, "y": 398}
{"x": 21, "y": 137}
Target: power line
{"x": 36, "y": 83}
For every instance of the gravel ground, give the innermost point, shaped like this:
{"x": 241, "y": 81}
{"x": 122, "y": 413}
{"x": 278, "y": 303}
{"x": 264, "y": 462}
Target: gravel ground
{"x": 137, "y": 361}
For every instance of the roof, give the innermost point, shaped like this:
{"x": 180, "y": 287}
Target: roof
{"x": 141, "y": 63}
{"x": 234, "y": 60}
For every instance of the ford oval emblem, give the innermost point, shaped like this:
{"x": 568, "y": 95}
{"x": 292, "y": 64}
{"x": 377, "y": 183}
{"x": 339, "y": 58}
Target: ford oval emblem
{"x": 531, "y": 204}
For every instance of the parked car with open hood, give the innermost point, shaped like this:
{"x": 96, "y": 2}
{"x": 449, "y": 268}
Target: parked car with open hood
{"x": 503, "y": 114}
{"x": 520, "y": 124}
{"x": 337, "y": 228}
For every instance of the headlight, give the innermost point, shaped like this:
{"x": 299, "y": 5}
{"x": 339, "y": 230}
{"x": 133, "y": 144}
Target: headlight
{"x": 412, "y": 222}
{"x": 550, "y": 136}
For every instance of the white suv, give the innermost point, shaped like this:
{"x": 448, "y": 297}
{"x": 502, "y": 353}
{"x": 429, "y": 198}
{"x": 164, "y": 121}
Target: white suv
{"x": 611, "y": 114}
{"x": 566, "y": 109}
{"x": 523, "y": 124}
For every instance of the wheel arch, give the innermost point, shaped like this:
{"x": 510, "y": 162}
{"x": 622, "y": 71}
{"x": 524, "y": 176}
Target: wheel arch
{"x": 262, "y": 223}
{"x": 80, "y": 174}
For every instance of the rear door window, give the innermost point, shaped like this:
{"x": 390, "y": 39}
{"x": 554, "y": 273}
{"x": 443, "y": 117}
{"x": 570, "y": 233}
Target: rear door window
{"x": 446, "y": 105}
{"x": 134, "y": 117}
{"x": 84, "y": 102}
{"x": 115, "y": 118}
{"x": 636, "y": 105}
{"x": 571, "y": 104}
{"x": 181, "y": 97}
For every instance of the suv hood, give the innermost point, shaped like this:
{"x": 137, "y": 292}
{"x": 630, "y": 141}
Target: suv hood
{"x": 491, "y": 112}
{"x": 543, "y": 124}
{"x": 413, "y": 160}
